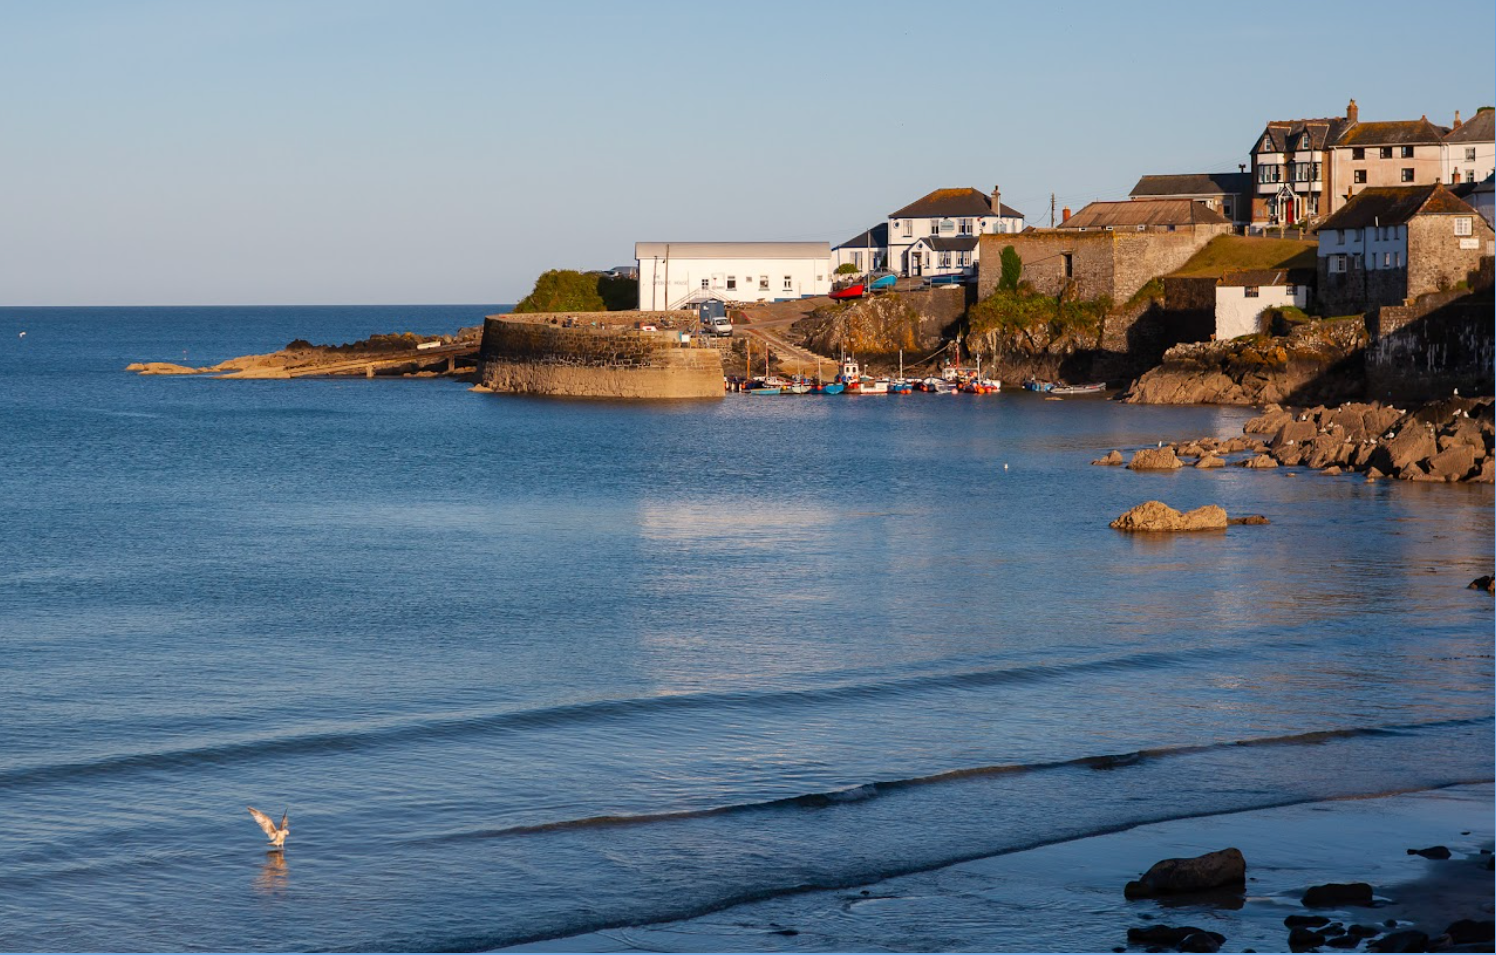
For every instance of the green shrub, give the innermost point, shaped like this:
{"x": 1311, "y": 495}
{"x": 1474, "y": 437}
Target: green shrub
{"x": 1012, "y": 269}
{"x": 847, "y": 268}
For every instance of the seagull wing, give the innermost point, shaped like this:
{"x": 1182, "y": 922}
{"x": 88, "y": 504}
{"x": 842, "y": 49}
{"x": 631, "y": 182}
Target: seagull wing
{"x": 285, "y": 818}
{"x": 265, "y": 821}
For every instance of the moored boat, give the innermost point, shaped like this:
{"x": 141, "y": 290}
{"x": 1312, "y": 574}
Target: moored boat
{"x": 1038, "y": 384}
{"x": 1093, "y": 388}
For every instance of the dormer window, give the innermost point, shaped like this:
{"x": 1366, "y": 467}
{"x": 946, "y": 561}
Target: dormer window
{"x": 1304, "y": 142}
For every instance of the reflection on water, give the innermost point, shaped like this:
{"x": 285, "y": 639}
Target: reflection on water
{"x": 274, "y": 874}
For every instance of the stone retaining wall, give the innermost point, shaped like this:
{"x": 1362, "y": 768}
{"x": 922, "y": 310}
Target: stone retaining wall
{"x": 529, "y": 354}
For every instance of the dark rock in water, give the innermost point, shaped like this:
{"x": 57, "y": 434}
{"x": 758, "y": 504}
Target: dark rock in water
{"x": 1306, "y": 921}
{"x": 1466, "y": 931}
{"x": 1390, "y": 923}
{"x": 1203, "y": 942}
{"x": 1343, "y": 941}
{"x": 1334, "y": 928}
{"x": 1113, "y": 459}
{"x": 1487, "y": 583}
{"x": 1303, "y": 939}
{"x": 1113, "y": 762}
{"x": 1364, "y": 931}
{"x": 1408, "y": 940}
{"x": 1338, "y": 893}
{"x": 1249, "y": 519}
{"x": 786, "y": 931}
{"x": 1432, "y": 852}
{"x": 1173, "y": 876}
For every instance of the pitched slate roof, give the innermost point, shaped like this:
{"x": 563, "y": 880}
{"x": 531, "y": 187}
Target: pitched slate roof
{"x": 952, "y": 243}
{"x": 953, "y": 202}
{"x": 875, "y": 237}
{"x": 1194, "y": 184}
{"x": 1280, "y": 132}
{"x": 1144, "y": 212}
{"x": 1246, "y": 277}
{"x": 1395, "y": 205}
{"x": 1480, "y": 129}
{"x": 1406, "y": 132}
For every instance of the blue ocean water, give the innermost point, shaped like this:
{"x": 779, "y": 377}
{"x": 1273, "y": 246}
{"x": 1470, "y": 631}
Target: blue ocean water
{"x": 523, "y": 668}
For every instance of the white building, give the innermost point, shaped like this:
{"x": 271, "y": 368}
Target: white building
{"x": 1242, "y": 296}
{"x": 1470, "y": 149}
{"x": 679, "y": 274}
{"x": 937, "y": 234}
{"x": 864, "y": 252}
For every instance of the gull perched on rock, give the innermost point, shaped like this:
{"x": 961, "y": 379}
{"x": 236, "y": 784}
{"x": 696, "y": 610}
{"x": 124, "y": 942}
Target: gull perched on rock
{"x": 276, "y": 833}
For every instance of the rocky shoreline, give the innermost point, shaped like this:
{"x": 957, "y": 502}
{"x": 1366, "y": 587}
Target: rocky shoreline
{"x": 301, "y": 358}
{"x": 1446, "y": 441}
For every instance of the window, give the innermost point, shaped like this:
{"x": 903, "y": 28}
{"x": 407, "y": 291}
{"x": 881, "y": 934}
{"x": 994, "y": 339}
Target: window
{"x": 1359, "y": 175}
{"x": 857, "y": 260}
{"x": 1386, "y": 260}
{"x": 1462, "y": 225}
{"x": 1142, "y": 228}
{"x": 964, "y": 227}
{"x": 1337, "y": 263}
{"x": 1358, "y": 152}
{"x": 1407, "y": 152}
{"x": 1407, "y": 175}
{"x": 1292, "y": 290}
{"x": 1311, "y": 204}
{"x": 1469, "y": 154}
{"x": 945, "y": 260}
{"x": 908, "y": 227}
{"x": 706, "y": 284}
{"x": 789, "y": 283}
{"x": 1067, "y": 261}
{"x": 763, "y": 283}
{"x": 732, "y": 283}
{"x": 1251, "y": 291}
{"x": 1385, "y": 152}
{"x": 1269, "y": 173}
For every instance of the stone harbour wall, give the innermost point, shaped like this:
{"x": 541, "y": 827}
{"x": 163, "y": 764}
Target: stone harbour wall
{"x": 583, "y": 356}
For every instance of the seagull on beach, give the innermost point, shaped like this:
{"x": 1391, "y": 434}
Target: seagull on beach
{"x": 276, "y": 833}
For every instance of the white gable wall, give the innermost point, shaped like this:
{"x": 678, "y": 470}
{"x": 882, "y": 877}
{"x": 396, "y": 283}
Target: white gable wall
{"x": 1237, "y": 315}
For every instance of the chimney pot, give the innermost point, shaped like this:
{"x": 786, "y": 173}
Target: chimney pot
{"x": 1065, "y": 214}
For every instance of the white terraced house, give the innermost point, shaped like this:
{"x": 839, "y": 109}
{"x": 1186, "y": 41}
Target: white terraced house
{"x": 681, "y": 274}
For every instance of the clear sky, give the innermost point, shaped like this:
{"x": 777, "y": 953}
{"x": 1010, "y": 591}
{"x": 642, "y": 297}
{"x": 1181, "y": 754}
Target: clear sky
{"x": 219, "y": 152}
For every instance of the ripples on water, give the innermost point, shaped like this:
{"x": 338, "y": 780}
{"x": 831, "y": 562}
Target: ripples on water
{"x": 522, "y": 668}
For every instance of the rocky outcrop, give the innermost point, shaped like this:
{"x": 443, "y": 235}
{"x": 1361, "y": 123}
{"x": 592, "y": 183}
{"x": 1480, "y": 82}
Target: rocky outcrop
{"x": 1213, "y": 870}
{"x": 1155, "y": 459}
{"x": 876, "y": 329}
{"x": 1321, "y": 361}
{"x": 1450, "y": 440}
{"x": 1210, "y": 461}
{"x": 162, "y": 368}
{"x": 1156, "y": 516}
{"x": 1111, "y": 460}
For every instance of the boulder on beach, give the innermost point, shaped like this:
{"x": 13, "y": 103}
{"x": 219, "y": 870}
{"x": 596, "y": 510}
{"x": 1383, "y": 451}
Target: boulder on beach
{"x": 1210, "y": 461}
{"x": 1453, "y": 463}
{"x": 1155, "y": 459}
{"x": 1112, "y": 459}
{"x": 1213, "y": 870}
{"x": 1155, "y": 516}
{"x": 1338, "y": 893}
{"x": 1261, "y": 461}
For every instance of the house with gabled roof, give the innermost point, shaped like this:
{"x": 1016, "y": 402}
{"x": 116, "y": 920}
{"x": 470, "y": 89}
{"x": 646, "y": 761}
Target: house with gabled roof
{"x": 1390, "y": 244}
{"x": 937, "y": 233}
{"x": 865, "y": 251}
{"x": 1397, "y": 153}
{"x": 1470, "y": 148}
{"x": 1228, "y": 193}
{"x": 1149, "y": 215}
{"x": 1290, "y": 168}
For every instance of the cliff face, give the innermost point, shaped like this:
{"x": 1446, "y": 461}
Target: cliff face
{"x": 1315, "y": 363}
{"x": 877, "y": 328}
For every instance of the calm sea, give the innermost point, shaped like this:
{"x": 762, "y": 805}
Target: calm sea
{"x": 522, "y": 668}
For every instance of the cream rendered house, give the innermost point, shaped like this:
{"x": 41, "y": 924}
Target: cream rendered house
{"x": 938, "y": 233}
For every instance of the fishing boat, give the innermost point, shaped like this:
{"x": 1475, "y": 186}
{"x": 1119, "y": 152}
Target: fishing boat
{"x": 872, "y": 386}
{"x": 1038, "y": 384}
{"x": 762, "y": 388}
{"x": 901, "y": 386}
{"x": 828, "y": 388}
{"x": 1090, "y": 389}
{"x": 798, "y": 387}
{"x": 855, "y": 290}
{"x": 881, "y": 281}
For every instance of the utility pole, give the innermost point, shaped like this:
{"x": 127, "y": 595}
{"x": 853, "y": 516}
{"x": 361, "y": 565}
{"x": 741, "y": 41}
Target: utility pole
{"x": 1051, "y": 210}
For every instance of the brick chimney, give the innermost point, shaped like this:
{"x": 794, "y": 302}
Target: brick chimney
{"x": 1456, "y": 119}
{"x": 1352, "y": 113}
{"x": 1065, "y": 214}
{"x": 997, "y": 205}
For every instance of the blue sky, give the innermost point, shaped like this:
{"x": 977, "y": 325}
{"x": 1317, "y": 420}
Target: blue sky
{"x": 428, "y": 152}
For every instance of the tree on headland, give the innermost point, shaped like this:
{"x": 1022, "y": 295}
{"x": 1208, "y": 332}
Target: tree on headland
{"x": 566, "y": 290}
{"x": 1012, "y": 269}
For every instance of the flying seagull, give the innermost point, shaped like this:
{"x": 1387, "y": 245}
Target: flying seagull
{"x": 276, "y": 833}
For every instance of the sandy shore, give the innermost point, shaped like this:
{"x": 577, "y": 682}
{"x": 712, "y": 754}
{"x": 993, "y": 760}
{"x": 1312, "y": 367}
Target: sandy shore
{"x": 1068, "y": 897}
